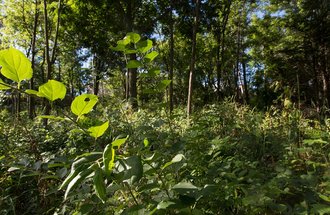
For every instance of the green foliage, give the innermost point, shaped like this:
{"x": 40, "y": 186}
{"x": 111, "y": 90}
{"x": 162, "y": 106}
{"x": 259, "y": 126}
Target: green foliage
{"x": 97, "y": 131}
{"x": 83, "y": 104}
{"x": 230, "y": 159}
{"x": 15, "y": 66}
{"x": 52, "y": 90}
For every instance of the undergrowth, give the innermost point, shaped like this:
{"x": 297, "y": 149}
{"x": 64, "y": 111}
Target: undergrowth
{"x": 229, "y": 159}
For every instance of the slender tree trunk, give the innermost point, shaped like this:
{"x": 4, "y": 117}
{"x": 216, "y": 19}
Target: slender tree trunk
{"x": 132, "y": 72}
{"x": 238, "y": 54}
{"x": 132, "y": 80}
{"x": 50, "y": 60}
{"x": 221, "y": 45}
{"x": 53, "y": 56}
{"x": 33, "y": 51}
{"x": 193, "y": 57}
{"x": 218, "y": 65}
{"x": 48, "y": 65}
{"x": 97, "y": 76}
{"x": 246, "y": 92}
{"x": 171, "y": 57}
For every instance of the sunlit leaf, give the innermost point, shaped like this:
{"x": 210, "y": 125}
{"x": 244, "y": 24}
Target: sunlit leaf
{"x": 151, "y": 56}
{"x": 52, "y": 90}
{"x": 134, "y": 37}
{"x": 31, "y": 92}
{"x": 15, "y": 65}
{"x": 108, "y": 159}
{"x": 146, "y": 142}
{"x": 52, "y": 117}
{"x": 97, "y": 131}
{"x": 117, "y": 143}
{"x": 83, "y": 104}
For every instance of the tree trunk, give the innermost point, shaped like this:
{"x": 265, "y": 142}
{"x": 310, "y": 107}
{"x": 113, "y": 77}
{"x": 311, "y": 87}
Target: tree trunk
{"x": 171, "y": 57}
{"x": 132, "y": 88}
{"x": 132, "y": 72}
{"x": 33, "y": 51}
{"x": 221, "y": 46}
{"x": 97, "y": 76}
{"x": 50, "y": 60}
{"x": 246, "y": 92}
{"x": 193, "y": 57}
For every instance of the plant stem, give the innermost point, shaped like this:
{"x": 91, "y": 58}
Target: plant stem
{"x": 130, "y": 191}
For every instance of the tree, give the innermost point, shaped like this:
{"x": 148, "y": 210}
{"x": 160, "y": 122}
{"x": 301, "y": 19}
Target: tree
{"x": 193, "y": 55}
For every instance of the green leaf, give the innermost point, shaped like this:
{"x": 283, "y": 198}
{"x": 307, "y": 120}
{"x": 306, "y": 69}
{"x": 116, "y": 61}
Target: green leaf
{"x": 81, "y": 163}
{"x": 99, "y": 185}
{"x": 3, "y": 85}
{"x": 78, "y": 179}
{"x": 108, "y": 159}
{"x": 163, "y": 84}
{"x": 52, "y": 117}
{"x": 320, "y": 209}
{"x": 31, "y": 92}
{"x": 144, "y": 46}
{"x": 134, "y": 64}
{"x": 52, "y": 90}
{"x": 325, "y": 198}
{"x": 98, "y": 131}
{"x": 134, "y": 37}
{"x": 185, "y": 188}
{"x": 151, "y": 56}
{"x": 151, "y": 73}
{"x": 117, "y": 143}
{"x": 15, "y": 66}
{"x": 83, "y": 104}
{"x": 119, "y": 47}
{"x": 124, "y": 41}
{"x": 176, "y": 159}
{"x": 130, "y": 169}
{"x": 164, "y": 204}
{"x": 130, "y": 51}
{"x": 146, "y": 142}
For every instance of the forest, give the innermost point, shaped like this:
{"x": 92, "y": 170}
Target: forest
{"x": 133, "y": 107}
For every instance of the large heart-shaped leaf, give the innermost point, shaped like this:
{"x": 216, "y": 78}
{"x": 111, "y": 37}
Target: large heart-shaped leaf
{"x": 144, "y": 46}
{"x": 52, "y": 90}
{"x": 83, "y": 104}
{"x": 134, "y": 37}
{"x": 98, "y": 131}
{"x": 15, "y": 66}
